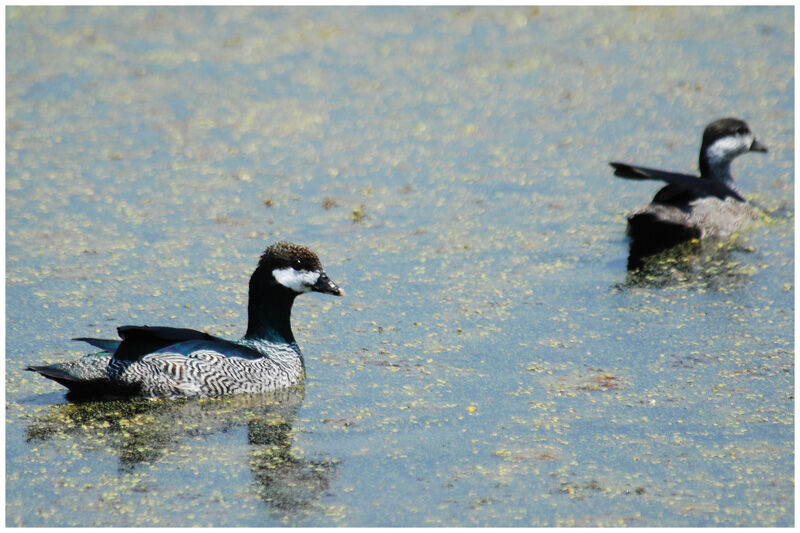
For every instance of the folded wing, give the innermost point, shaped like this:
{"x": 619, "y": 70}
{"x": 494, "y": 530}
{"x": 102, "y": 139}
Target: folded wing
{"x": 686, "y": 181}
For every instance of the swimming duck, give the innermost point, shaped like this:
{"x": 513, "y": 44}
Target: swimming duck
{"x": 177, "y": 362}
{"x": 691, "y": 208}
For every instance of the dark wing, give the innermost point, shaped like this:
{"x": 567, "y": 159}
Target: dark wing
{"x": 678, "y": 196}
{"x": 138, "y": 341}
{"x": 685, "y": 181}
{"x": 107, "y": 345}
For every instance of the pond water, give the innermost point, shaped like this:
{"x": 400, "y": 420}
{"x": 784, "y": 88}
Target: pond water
{"x": 493, "y": 363}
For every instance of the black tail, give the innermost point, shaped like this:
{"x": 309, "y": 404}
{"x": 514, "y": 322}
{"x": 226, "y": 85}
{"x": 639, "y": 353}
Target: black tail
{"x": 81, "y": 388}
{"x": 55, "y": 373}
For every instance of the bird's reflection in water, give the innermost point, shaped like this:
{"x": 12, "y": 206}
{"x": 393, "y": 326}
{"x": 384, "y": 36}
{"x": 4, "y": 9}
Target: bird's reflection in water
{"x": 287, "y": 484}
{"x": 140, "y": 431}
{"x": 711, "y": 264}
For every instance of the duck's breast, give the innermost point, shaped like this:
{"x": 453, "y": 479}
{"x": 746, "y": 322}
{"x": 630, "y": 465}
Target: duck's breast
{"x": 721, "y": 218}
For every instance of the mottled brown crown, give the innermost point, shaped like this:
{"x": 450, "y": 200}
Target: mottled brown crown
{"x": 285, "y": 254}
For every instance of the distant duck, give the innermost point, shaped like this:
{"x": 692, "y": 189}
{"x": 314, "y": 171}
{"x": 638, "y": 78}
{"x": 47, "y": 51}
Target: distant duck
{"x": 175, "y": 362}
{"x": 690, "y": 207}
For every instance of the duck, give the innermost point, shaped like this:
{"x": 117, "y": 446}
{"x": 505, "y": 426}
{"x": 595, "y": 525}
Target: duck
{"x": 167, "y": 362}
{"x": 691, "y": 207}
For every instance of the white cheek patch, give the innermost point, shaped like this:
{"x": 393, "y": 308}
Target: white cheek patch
{"x": 296, "y": 280}
{"x": 727, "y": 148}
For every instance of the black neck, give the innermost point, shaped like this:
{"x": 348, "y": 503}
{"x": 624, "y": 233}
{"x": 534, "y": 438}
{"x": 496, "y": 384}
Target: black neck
{"x": 721, "y": 171}
{"x": 269, "y": 310}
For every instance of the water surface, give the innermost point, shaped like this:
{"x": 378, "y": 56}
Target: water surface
{"x": 493, "y": 363}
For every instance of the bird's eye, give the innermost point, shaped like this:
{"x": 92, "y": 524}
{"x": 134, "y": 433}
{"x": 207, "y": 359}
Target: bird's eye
{"x": 297, "y": 264}
{"x": 741, "y": 130}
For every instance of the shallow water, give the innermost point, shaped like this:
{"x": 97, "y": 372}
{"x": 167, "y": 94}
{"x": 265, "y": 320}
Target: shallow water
{"x": 492, "y": 363}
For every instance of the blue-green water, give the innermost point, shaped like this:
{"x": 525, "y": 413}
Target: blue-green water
{"x": 492, "y": 363}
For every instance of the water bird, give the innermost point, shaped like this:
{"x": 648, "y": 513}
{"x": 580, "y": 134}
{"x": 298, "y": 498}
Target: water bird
{"x": 691, "y": 207}
{"x": 178, "y": 362}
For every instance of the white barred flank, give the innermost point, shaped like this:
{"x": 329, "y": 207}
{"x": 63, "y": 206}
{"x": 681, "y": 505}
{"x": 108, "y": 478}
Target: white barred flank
{"x": 201, "y": 372}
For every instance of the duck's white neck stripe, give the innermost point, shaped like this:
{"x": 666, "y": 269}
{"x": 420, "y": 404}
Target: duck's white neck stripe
{"x": 722, "y": 151}
{"x": 296, "y": 280}
{"x": 726, "y": 148}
